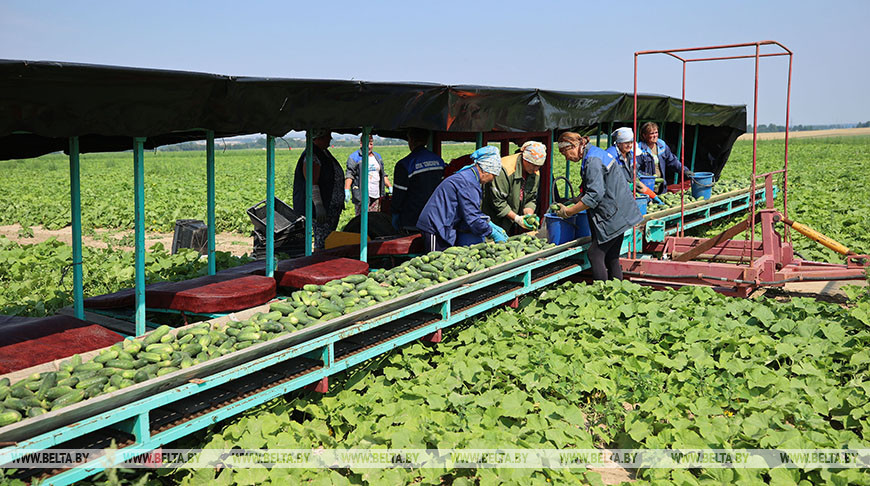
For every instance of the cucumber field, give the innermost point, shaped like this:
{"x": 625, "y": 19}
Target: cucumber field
{"x": 609, "y": 365}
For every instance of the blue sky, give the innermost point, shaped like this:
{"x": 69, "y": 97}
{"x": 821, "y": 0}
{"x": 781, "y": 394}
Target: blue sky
{"x": 573, "y": 46}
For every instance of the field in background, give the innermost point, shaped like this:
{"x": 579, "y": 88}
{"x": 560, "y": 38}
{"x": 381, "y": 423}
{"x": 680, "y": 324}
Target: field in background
{"x": 827, "y": 177}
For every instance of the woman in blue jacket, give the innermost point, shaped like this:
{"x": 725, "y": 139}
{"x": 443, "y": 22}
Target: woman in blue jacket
{"x": 608, "y": 202}
{"x": 656, "y": 159}
{"x": 454, "y": 207}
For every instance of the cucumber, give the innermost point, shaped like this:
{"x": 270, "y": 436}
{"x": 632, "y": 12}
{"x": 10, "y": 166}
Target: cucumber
{"x": 249, "y": 336}
{"x": 166, "y": 370}
{"x": 8, "y": 417}
{"x": 158, "y": 348}
{"x": 48, "y": 382}
{"x": 150, "y": 357}
{"x": 125, "y": 355}
{"x": 186, "y": 339}
{"x": 15, "y": 403}
{"x": 115, "y": 380}
{"x": 192, "y": 349}
{"x": 92, "y": 366}
{"x": 354, "y": 279}
{"x": 20, "y": 391}
{"x": 140, "y": 376}
{"x": 128, "y": 374}
{"x": 204, "y": 340}
{"x": 273, "y": 327}
{"x": 94, "y": 390}
{"x": 74, "y": 396}
{"x": 120, "y": 363}
{"x": 97, "y": 380}
{"x": 314, "y": 312}
{"x": 156, "y": 335}
{"x": 106, "y": 356}
{"x": 4, "y": 392}
{"x": 5, "y": 381}
{"x": 281, "y": 307}
{"x": 132, "y": 346}
{"x": 35, "y": 411}
{"x": 231, "y": 331}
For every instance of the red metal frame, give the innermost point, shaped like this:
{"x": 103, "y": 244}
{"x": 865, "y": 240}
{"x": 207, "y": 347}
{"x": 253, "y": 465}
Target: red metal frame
{"x": 775, "y": 264}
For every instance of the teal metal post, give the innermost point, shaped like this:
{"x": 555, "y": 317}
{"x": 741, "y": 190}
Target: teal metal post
{"x": 553, "y": 151}
{"x": 209, "y": 169}
{"x": 270, "y": 205}
{"x": 694, "y": 148}
{"x": 364, "y": 195}
{"x": 598, "y": 136}
{"x": 479, "y": 141}
{"x": 76, "y": 210}
{"x": 139, "y": 229}
{"x": 609, "y": 134}
{"x": 430, "y": 144}
{"x": 309, "y": 189}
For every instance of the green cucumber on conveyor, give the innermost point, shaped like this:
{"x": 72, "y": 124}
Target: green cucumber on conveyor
{"x": 162, "y": 352}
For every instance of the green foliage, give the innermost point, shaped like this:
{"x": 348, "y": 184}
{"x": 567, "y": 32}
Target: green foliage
{"x": 36, "y": 280}
{"x": 35, "y": 192}
{"x": 826, "y": 188}
{"x": 612, "y": 364}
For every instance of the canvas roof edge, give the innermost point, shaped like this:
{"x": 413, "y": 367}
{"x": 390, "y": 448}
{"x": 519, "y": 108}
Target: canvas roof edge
{"x": 108, "y": 105}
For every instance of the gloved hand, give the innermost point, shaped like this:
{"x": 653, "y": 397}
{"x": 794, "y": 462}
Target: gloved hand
{"x": 521, "y": 222}
{"x": 396, "y": 222}
{"x": 658, "y": 201}
{"x": 346, "y": 196}
{"x": 498, "y": 234}
{"x": 390, "y": 190}
{"x": 319, "y": 210}
{"x": 562, "y": 212}
{"x": 649, "y": 193}
{"x": 689, "y": 174}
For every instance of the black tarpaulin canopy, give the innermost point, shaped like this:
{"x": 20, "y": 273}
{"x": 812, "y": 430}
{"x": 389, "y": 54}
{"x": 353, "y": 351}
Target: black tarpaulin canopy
{"x": 43, "y": 103}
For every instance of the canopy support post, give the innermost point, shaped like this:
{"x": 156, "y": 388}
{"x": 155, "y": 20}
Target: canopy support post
{"x": 598, "y": 136}
{"x": 309, "y": 189}
{"x": 76, "y": 211}
{"x": 364, "y": 194}
{"x": 694, "y": 148}
{"x": 209, "y": 169}
{"x": 270, "y": 205}
{"x": 139, "y": 229}
{"x": 479, "y": 140}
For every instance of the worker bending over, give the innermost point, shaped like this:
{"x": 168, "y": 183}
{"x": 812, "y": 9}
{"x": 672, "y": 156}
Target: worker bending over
{"x": 454, "y": 208}
{"x": 415, "y": 178}
{"x": 511, "y": 198}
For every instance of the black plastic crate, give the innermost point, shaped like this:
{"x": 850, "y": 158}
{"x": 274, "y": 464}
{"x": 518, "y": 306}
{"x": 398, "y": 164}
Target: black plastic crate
{"x": 285, "y": 218}
{"x": 190, "y": 233}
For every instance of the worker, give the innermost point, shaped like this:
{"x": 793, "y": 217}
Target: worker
{"x": 656, "y": 159}
{"x": 622, "y": 149}
{"x": 513, "y": 194}
{"x": 454, "y": 208}
{"x": 415, "y": 178}
{"x": 379, "y": 183}
{"x": 607, "y": 199}
{"x": 326, "y": 187}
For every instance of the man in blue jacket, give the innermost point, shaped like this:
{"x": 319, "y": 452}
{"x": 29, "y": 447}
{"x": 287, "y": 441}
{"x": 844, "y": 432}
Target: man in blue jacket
{"x": 377, "y": 180}
{"x": 656, "y": 159}
{"x": 415, "y": 178}
{"x": 454, "y": 207}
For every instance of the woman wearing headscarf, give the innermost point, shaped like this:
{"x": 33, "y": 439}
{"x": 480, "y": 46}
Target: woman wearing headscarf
{"x": 327, "y": 181}
{"x": 454, "y": 207}
{"x": 608, "y": 202}
{"x": 656, "y": 159}
{"x": 623, "y": 150}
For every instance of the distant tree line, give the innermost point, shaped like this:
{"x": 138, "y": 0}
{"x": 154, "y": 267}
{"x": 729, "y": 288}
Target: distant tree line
{"x": 770, "y": 127}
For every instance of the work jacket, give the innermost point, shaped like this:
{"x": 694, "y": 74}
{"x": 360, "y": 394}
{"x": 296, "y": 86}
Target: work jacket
{"x": 354, "y": 163}
{"x": 669, "y": 164}
{"x": 509, "y": 191}
{"x": 415, "y": 178}
{"x": 455, "y": 206}
{"x": 612, "y": 209}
